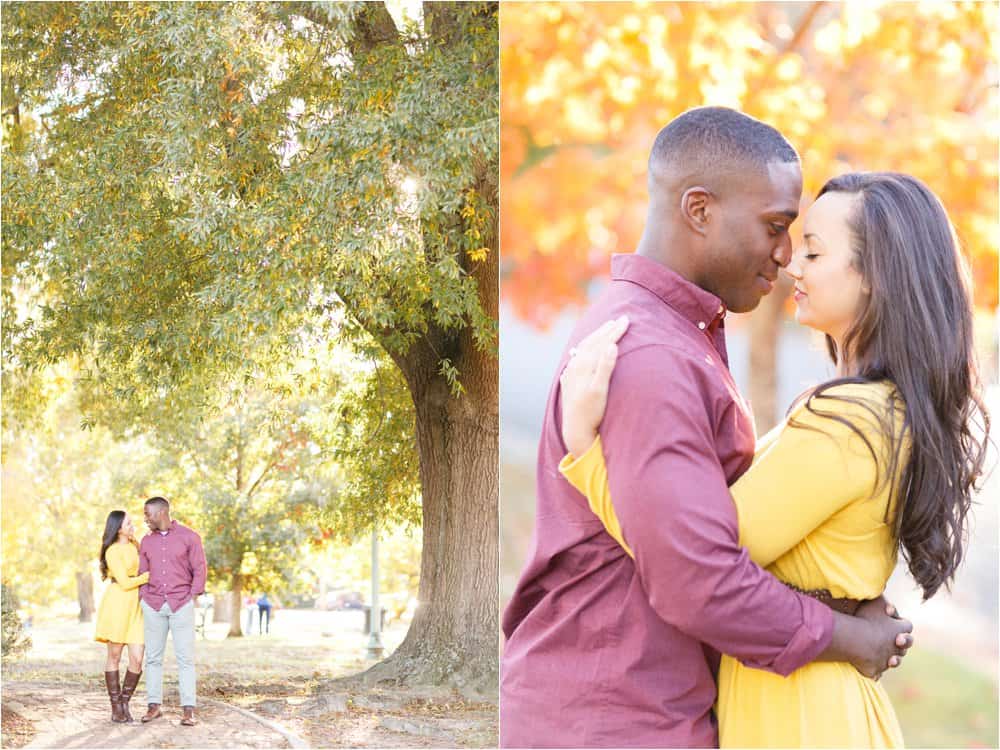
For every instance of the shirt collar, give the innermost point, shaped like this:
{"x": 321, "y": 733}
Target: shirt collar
{"x": 699, "y": 306}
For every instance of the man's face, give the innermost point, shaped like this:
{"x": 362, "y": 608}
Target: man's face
{"x": 750, "y": 241}
{"x": 151, "y": 513}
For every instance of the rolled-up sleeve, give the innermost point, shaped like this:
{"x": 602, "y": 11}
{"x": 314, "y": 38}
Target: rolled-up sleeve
{"x": 670, "y": 494}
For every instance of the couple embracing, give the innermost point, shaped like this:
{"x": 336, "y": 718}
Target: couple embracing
{"x": 689, "y": 585}
{"x": 152, "y": 591}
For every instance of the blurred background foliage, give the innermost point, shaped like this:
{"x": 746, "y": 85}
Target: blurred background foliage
{"x": 910, "y": 87}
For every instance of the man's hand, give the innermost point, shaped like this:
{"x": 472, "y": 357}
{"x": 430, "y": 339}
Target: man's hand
{"x": 873, "y": 640}
{"x": 890, "y": 639}
{"x": 584, "y": 384}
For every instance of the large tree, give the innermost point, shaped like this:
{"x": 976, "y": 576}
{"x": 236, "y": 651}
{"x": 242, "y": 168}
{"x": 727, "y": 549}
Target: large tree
{"x": 193, "y": 190}
{"x": 854, "y": 86}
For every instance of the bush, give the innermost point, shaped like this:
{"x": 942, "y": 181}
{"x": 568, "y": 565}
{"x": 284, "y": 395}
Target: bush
{"x": 15, "y": 642}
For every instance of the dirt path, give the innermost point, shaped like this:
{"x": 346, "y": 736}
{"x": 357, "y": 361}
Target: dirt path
{"x": 388, "y": 717}
{"x": 64, "y": 715}
{"x": 67, "y": 716}
{"x": 55, "y": 697}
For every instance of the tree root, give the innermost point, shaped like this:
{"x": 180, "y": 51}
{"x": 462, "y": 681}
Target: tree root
{"x": 474, "y": 682}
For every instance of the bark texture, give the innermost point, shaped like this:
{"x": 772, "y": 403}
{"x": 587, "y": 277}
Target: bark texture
{"x": 85, "y": 595}
{"x": 235, "y": 607}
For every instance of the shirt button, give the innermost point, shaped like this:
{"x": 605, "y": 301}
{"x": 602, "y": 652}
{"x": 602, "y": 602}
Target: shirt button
{"x": 701, "y": 324}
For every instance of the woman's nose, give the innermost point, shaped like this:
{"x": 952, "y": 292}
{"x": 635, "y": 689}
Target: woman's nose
{"x": 793, "y": 269}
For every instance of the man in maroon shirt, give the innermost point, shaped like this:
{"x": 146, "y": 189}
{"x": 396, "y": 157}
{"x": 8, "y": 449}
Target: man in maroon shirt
{"x": 175, "y": 559}
{"x": 604, "y": 651}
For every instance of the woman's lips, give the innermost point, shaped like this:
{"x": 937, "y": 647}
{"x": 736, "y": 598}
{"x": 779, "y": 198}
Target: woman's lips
{"x": 799, "y": 295}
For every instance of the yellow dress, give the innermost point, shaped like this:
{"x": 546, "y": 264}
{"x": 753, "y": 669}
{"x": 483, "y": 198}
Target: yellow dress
{"x": 810, "y": 513}
{"x": 119, "y": 618}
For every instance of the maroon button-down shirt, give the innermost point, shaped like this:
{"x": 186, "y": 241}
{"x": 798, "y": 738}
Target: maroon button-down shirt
{"x": 604, "y": 651}
{"x": 176, "y": 565}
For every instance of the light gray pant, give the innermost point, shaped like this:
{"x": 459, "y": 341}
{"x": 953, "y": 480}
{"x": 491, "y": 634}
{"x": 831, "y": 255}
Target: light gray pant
{"x": 156, "y": 625}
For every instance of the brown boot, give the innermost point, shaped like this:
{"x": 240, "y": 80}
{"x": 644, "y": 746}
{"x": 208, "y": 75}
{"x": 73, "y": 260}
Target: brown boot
{"x": 188, "y": 719}
{"x": 128, "y": 688}
{"x": 115, "y": 694}
{"x": 153, "y": 713}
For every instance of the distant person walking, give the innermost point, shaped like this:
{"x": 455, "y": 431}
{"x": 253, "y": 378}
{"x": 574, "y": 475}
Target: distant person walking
{"x": 119, "y": 617}
{"x": 175, "y": 559}
{"x": 251, "y": 604}
{"x": 263, "y": 608}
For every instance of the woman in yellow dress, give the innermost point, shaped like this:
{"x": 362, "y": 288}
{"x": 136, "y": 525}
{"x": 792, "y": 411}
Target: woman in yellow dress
{"x": 881, "y": 459}
{"x": 119, "y": 618}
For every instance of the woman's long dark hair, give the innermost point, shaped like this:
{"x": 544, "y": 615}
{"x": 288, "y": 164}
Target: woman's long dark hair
{"x": 914, "y": 329}
{"x": 111, "y": 528}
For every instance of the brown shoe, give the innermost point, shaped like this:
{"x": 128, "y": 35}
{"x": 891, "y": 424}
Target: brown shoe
{"x": 115, "y": 694}
{"x": 153, "y": 713}
{"x": 188, "y": 719}
{"x": 128, "y": 688}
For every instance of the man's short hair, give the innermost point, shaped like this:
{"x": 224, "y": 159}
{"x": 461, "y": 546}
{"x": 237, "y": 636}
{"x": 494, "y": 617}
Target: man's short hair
{"x": 158, "y": 503}
{"x": 718, "y": 140}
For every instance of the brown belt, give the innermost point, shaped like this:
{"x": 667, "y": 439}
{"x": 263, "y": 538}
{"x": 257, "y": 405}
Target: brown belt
{"x": 844, "y": 606}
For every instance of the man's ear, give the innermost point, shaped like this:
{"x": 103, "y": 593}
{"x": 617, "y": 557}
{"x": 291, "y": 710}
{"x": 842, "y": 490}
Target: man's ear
{"x": 696, "y": 208}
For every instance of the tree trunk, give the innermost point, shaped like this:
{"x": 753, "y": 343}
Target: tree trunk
{"x": 220, "y": 608}
{"x": 765, "y": 330}
{"x": 85, "y": 595}
{"x": 236, "y": 608}
{"x": 453, "y": 637}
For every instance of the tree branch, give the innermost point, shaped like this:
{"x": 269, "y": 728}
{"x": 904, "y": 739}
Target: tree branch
{"x": 373, "y": 26}
{"x": 275, "y": 456}
{"x": 256, "y": 483}
{"x": 804, "y": 24}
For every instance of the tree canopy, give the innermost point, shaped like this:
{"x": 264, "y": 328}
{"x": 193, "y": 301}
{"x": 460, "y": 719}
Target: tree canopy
{"x": 190, "y": 187}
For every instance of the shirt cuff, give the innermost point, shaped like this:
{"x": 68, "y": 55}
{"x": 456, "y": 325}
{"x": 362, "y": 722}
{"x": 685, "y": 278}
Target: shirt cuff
{"x": 576, "y": 469}
{"x": 810, "y": 640}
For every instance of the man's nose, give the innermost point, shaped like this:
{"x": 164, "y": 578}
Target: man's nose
{"x": 782, "y": 253}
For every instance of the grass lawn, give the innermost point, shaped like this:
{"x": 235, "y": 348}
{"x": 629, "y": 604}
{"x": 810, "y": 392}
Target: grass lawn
{"x": 942, "y": 703}
{"x": 303, "y": 645}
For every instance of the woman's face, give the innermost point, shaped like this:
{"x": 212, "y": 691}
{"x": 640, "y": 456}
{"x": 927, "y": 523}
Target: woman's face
{"x": 828, "y": 289}
{"x": 127, "y": 528}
